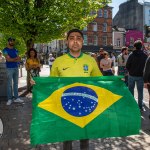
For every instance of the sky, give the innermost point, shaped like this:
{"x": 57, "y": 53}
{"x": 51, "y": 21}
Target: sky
{"x": 116, "y": 3}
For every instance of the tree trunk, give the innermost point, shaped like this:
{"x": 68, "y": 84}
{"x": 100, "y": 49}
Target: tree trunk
{"x": 29, "y": 44}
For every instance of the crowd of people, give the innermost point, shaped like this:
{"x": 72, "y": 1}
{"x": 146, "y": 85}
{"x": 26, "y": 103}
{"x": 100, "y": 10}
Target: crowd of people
{"x": 134, "y": 68}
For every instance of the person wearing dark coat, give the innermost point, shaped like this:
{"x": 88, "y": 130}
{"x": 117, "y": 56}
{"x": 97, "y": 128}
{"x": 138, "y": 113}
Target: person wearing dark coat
{"x": 135, "y": 66}
{"x": 146, "y": 77}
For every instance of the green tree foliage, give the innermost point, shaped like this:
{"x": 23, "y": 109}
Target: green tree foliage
{"x": 42, "y": 21}
{"x": 45, "y": 20}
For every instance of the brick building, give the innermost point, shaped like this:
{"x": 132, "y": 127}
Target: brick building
{"x": 98, "y": 33}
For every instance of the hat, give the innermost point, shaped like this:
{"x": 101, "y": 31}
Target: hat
{"x": 11, "y": 39}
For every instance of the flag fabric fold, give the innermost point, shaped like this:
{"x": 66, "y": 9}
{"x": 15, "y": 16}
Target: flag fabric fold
{"x": 73, "y": 108}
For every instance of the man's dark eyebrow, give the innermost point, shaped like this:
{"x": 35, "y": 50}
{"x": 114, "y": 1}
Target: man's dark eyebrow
{"x": 75, "y": 35}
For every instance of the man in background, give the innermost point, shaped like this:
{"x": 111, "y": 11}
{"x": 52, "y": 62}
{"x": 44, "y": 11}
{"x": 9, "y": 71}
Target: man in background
{"x": 135, "y": 66}
{"x": 100, "y": 57}
{"x": 12, "y": 64}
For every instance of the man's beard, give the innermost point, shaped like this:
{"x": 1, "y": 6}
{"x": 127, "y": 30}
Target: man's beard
{"x": 11, "y": 44}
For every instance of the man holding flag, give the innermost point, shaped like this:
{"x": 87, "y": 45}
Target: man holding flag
{"x": 78, "y": 103}
{"x": 75, "y": 64}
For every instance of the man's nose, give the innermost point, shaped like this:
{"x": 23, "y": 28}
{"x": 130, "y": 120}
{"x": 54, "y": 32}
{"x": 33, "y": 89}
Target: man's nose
{"x": 75, "y": 41}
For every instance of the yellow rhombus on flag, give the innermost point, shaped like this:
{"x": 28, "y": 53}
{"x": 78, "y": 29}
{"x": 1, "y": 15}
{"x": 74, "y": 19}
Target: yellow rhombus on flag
{"x": 53, "y": 103}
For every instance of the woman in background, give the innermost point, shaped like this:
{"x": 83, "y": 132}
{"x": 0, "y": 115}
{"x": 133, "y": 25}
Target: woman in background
{"x": 32, "y": 64}
{"x": 106, "y": 65}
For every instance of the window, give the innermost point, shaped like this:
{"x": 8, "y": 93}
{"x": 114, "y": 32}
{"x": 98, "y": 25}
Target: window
{"x": 131, "y": 41}
{"x": 118, "y": 43}
{"x": 93, "y": 12}
{"x": 100, "y": 13}
{"x": 104, "y": 40}
{"x": 95, "y": 40}
{"x": 104, "y": 27}
{"x": 149, "y": 22}
{"x": 85, "y": 39}
{"x": 90, "y": 40}
{"x": 149, "y": 12}
{"x": 105, "y": 14}
{"x": 85, "y": 29}
{"x": 94, "y": 26}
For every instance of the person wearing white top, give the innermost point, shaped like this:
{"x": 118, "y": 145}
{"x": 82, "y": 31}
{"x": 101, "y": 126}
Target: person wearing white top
{"x": 50, "y": 60}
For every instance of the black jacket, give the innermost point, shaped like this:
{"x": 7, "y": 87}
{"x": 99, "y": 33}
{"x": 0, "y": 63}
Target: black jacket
{"x": 146, "y": 74}
{"x": 136, "y": 62}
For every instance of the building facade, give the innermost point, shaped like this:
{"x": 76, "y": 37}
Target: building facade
{"x": 129, "y": 16}
{"x": 118, "y": 38}
{"x": 146, "y": 22}
{"x": 98, "y": 33}
{"x": 132, "y": 36}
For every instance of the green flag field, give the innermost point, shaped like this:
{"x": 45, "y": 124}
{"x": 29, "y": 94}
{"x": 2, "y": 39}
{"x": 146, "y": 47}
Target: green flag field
{"x": 73, "y": 108}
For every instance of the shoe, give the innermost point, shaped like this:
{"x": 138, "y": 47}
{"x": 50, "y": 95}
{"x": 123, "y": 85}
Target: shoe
{"x": 9, "y": 102}
{"x": 18, "y": 100}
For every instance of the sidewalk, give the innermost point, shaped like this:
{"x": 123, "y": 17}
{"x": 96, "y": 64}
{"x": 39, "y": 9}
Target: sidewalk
{"x": 17, "y": 119}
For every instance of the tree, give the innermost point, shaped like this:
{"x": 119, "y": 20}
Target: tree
{"x": 41, "y": 21}
{"x": 44, "y": 20}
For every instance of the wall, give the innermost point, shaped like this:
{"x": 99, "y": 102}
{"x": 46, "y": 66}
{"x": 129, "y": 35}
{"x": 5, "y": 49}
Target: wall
{"x": 133, "y": 34}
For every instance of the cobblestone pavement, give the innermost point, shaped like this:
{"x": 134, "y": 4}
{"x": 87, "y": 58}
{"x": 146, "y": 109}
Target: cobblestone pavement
{"x": 17, "y": 117}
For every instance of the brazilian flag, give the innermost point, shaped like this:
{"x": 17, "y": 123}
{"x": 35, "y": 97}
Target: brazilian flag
{"x": 73, "y": 108}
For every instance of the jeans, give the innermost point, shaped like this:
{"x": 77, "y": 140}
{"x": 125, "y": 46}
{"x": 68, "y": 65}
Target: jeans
{"x": 12, "y": 83}
{"x": 140, "y": 84}
{"x": 108, "y": 73}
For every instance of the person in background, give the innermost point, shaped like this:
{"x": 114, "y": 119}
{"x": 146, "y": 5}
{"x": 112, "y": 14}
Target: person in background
{"x": 32, "y": 64}
{"x": 122, "y": 60}
{"x": 100, "y": 57}
{"x": 41, "y": 60}
{"x": 2, "y": 58}
{"x": 51, "y": 60}
{"x": 113, "y": 59}
{"x": 94, "y": 56}
{"x": 75, "y": 64}
{"x": 106, "y": 65}
{"x": 12, "y": 61}
{"x": 146, "y": 76}
{"x": 135, "y": 66}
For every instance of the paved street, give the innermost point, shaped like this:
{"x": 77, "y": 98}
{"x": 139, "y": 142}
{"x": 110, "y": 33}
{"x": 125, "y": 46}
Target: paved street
{"x": 17, "y": 118}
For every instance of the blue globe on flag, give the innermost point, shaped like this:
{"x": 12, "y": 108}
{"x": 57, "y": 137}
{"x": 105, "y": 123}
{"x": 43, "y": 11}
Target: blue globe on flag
{"x": 79, "y": 101}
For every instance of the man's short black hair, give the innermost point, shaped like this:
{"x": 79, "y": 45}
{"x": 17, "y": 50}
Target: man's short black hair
{"x": 138, "y": 44}
{"x": 74, "y": 30}
{"x": 124, "y": 48}
{"x": 11, "y": 39}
